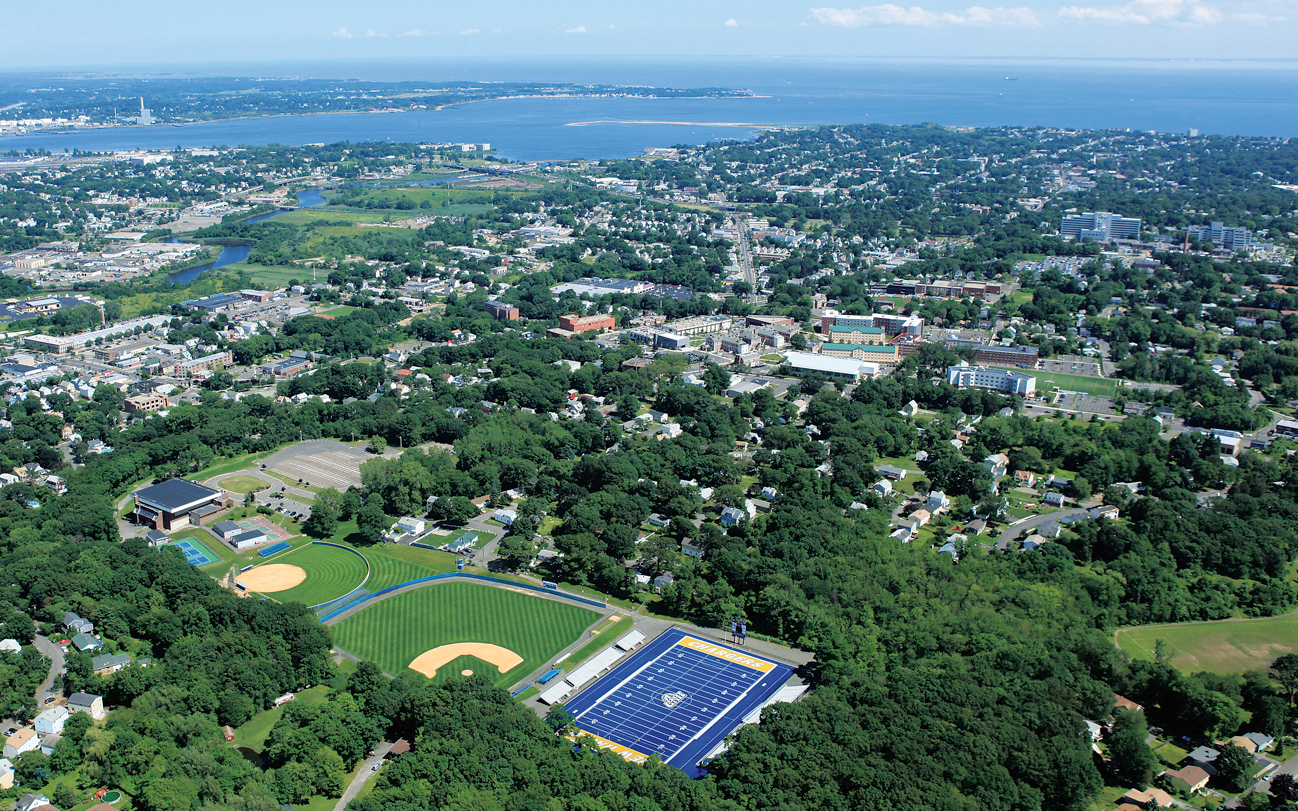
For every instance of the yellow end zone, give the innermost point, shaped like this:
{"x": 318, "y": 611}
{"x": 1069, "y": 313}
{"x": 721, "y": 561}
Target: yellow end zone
{"x": 725, "y": 653}
{"x": 626, "y": 753}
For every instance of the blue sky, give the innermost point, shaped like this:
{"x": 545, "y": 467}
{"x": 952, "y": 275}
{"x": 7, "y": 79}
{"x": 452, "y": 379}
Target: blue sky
{"x": 95, "y": 32}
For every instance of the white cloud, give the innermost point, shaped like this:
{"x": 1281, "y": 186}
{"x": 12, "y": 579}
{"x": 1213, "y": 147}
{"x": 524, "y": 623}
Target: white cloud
{"x": 341, "y": 33}
{"x": 371, "y": 34}
{"x": 611, "y": 27}
{"x": 581, "y": 29}
{"x": 732, "y": 23}
{"x": 889, "y": 14}
{"x": 468, "y": 31}
{"x": 1147, "y": 12}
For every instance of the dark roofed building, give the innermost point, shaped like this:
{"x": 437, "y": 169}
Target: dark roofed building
{"x": 178, "y": 503}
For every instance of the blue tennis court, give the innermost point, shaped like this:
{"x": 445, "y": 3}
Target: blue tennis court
{"x": 196, "y": 553}
{"x": 678, "y": 697}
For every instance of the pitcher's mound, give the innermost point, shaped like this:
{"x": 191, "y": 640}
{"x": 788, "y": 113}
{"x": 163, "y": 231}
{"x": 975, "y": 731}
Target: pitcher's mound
{"x": 272, "y": 577}
{"x": 466, "y": 673}
{"x": 428, "y": 662}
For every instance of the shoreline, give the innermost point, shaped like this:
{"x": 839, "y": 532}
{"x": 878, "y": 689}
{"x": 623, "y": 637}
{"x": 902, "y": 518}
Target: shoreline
{"x": 435, "y": 108}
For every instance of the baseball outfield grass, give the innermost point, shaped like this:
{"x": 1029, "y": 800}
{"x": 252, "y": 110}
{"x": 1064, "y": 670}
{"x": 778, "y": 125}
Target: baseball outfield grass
{"x": 1223, "y": 646}
{"x": 332, "y": 572}
{"x": 393, "y": 632}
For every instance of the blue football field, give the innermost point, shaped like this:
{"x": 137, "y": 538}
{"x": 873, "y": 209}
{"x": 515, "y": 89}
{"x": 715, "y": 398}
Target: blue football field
{"x": 678, "y": 697}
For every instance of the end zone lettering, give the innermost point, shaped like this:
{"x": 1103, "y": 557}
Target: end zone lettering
{"x": 727, "y": 654}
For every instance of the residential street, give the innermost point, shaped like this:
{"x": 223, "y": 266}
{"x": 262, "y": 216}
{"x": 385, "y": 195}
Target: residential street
{"x": 1013, "y": 531}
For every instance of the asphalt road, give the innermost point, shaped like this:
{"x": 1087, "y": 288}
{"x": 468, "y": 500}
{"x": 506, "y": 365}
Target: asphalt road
{"x": 369, "y": 770}
{"x": 1015, "y": 530}
{"x": 55, "y": 653}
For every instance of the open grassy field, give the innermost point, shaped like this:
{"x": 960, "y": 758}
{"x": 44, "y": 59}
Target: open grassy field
{"x": 1099, "y": 386}
{"x": 1224, "y": 646}
{"x": 253, "y": 734}
{"x": 244, "y": 484}
{"x": 269, "y": 275}
{"x": 394, "y": 631}
{"x": 330, "y": 573}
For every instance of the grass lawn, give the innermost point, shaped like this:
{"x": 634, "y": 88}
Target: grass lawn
{"x": 271, "y": 275}
{"x": 1221, "y": 646}
{"x": 233, "y": 464}
{"x": 330, "y": 573}
{"x": 1099, "y": 386}
{"x": 393, "y": 632}
{"x": 254, "y": 732}
{"x": 594, "y": 646}
{"x": 244, "y": 484}
{"x": 342, "y": 309}
{"x": 1171, "y": 753}
{"x": 1108, "y": 798}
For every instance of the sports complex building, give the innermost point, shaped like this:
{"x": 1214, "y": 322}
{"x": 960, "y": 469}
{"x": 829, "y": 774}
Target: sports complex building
{"x": 679, "y": 697}
{"x": 177, "y": 503}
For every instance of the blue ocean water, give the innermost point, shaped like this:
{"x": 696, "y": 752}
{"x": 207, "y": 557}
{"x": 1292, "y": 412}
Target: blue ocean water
{"x": 1227, "y": 98}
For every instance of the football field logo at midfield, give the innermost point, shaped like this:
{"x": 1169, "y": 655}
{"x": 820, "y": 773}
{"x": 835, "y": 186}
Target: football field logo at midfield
{"x": 672, "y": 699}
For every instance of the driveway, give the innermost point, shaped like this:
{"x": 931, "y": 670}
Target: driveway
{"x": 369, "y": 769}
{"x": 55, "y": 653}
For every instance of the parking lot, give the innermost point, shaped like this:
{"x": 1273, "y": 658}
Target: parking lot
{"x": 1088, "y": 403}
{"x": 1073, "y": 365}
{"x": 285, "y": 504}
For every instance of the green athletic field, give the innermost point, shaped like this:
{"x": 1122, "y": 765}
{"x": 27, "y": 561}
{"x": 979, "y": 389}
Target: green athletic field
{"x": 392, "y": 632}
{"x": 330, "y": 573}
{"x": 1099, "y": 386}
{"x": 1224, "y": 646}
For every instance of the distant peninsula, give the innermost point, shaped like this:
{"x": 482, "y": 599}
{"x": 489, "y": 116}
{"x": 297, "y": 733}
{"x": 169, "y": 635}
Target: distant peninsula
{"x": 70, "y": 100}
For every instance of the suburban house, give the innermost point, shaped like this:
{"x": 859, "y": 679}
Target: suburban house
{"x": 883, "y": 487}
{"x": 466, "y": 541}
{"x": 768, "y": 493}
{"x": 88, "y": 703}
{"x": 1188, "y": 778}
{"x": 51, "y": 721}
{"x": 1025, "y": 478}
{"x": 74, "y": 624}
{"x": 109, "y": 663}
{"x": 30, "y": 802}
{"x": 506, "y": 517}
{"x": 1205, "y": 757}
{"x": 892, "y": 472}
{"x": 177, "y": 503}
{"x": 6, "y": 774}
{"x": 24, "y": 740}
{"x": 731, "y": 516}
{"x": 86, "y": 642}
{"x": 1054, "y": 499}
{"x": 662, "y": 581}
{"x": 1109, "y": 512}
{"x": 936, "y": 501}
{"x": 1150, "y": 799}
{"x": 1049, "y": 529}
{"x": 412, "y": 526}
{"x": 1253, "y": 742}
{"x": 656, "y": 520}
{"x": 10, "y": 646}
{"x": 1124, "y": 703}
{"x": 996, "y": 464}
{"x": 948, "y": 548}
{"x": 920, "y": 518}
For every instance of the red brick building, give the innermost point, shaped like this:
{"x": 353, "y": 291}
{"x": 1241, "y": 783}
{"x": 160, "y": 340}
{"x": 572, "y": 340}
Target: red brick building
{"x": 585, "y": 323}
